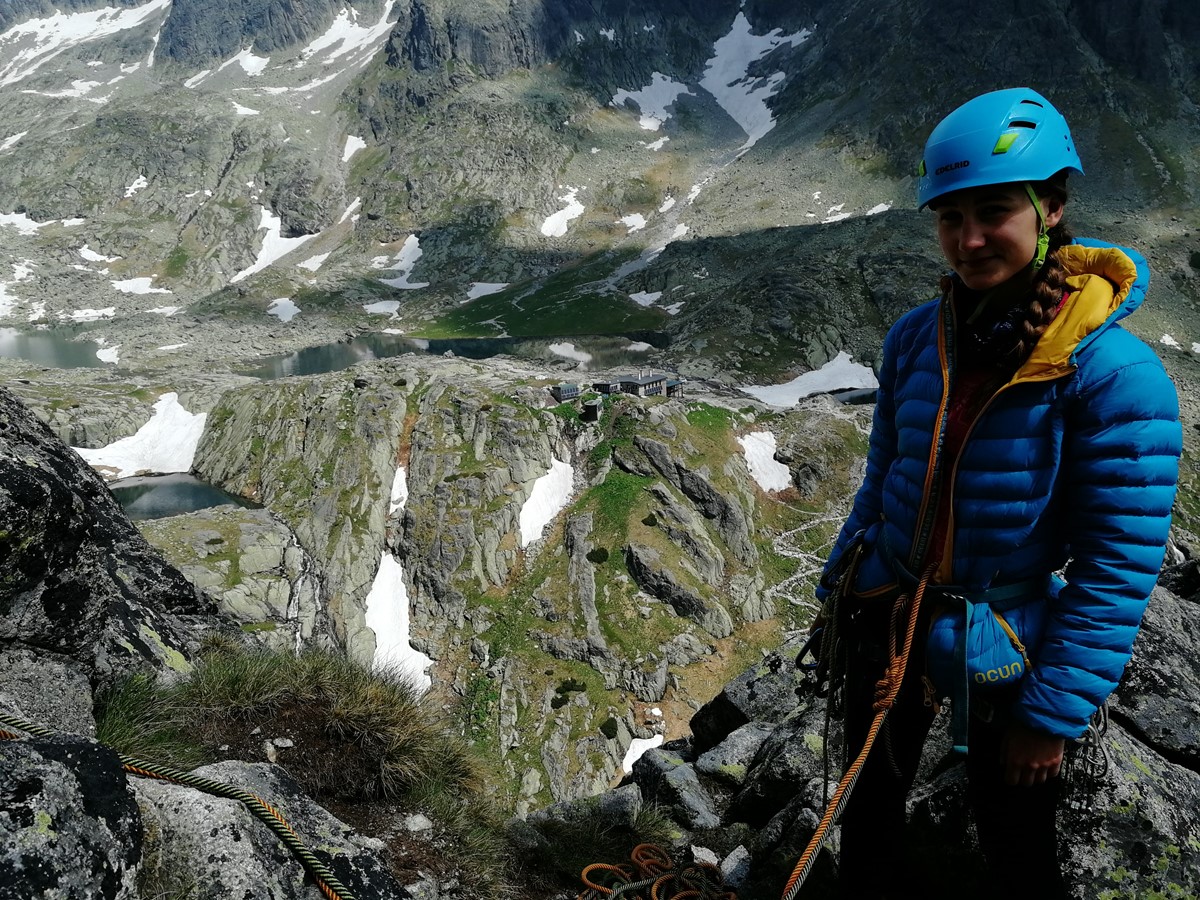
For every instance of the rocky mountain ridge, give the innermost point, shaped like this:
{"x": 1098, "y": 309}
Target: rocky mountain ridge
{"x": 333, "y": 138}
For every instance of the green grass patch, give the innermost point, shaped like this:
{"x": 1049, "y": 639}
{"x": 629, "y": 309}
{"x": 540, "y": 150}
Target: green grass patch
{"x": 569, "y": 302}
{"x": 712, "y": 419}
{"x": 614, "y": 501}
{"x": 176, "y": 266}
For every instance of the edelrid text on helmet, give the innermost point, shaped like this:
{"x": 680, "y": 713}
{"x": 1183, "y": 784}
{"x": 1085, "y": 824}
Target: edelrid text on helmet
{"x": 1004, "y": 136}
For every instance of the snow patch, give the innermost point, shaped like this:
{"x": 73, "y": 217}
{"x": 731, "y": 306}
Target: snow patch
{"x": 167, "y": 443}
{"x": 637, "y": 747}
{"x": 879, "y": 208}
{"x": 549, "y": 497}
{"x": 667, "y": 204}
{"x": 283, "y": 309}
{"x": 90, "y": 315}
{"x": 252, "y": 65}
{"x": 274, "y": 247}
{"x": 659, "y": 144}
{"x": 759, "y": 447}
{"x": 1170, "y": 341}
{"x": 383, "y": 307}
{"x": 138, "y": 183}
{"x": 404, "y": 262}
{"x": 639, "y": 347}
{"x": 726, "y": 76}
{"x": 484, "y": 288}
{"x": 399, "y": 495}
{"x": 165, "y": 310}
{"x": 351, "y": 210}
{"x": 346, "y": 37}
{"x": 556, "y": 224}
{"x": 109, "y": 354}
{"x": 11, "y": 140}
{"x": 314, "y": 262}
{"x": 244, "y": 110}
{"x": 387, "y": 615}
{"x": 31, "y": 44}
{"x": 92, "y": 256}
{"x": 353, "y": 145}
{"x": 653, "y": 100}
{"x": 645, "y": 298}
{"x": 839, "y": 373}
{"x": 138, "y": 286}
{"x": 21, "y": 222}
{"x": 633, "y": 221}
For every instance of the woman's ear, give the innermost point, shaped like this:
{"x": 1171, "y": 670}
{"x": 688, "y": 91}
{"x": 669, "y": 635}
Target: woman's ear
{"x": 1052, "y": 208}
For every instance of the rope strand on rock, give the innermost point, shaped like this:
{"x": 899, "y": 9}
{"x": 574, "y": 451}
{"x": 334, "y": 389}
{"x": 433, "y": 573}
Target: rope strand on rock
{"x": 326, "y": 881}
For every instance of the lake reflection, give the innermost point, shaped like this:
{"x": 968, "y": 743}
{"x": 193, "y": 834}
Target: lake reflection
{"x": 158, "y": 496}
{"x": 591, "y": 352}
{"x": 48, "y": 348}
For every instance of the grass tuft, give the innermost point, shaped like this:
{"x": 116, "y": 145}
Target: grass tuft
{"x": 358, "y": 737}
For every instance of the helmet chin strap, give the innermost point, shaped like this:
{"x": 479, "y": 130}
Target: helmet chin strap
{"x": 1043, "y": 241}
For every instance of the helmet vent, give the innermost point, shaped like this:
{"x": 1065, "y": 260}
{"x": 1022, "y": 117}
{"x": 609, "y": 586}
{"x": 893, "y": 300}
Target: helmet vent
{"x": 1032, "y": 103}
{"x": 1021, "y": 123}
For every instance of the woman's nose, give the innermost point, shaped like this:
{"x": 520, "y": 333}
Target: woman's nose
{"x": 972, "y": 234}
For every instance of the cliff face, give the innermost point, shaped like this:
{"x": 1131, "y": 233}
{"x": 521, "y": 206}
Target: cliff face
{"x": 78, "y": 579}
{"x": 550, "y": 640}
{"x": 322, "y": 454}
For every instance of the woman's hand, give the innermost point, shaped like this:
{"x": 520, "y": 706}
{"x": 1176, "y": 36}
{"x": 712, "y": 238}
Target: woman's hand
{"x": 1030, "y": 757}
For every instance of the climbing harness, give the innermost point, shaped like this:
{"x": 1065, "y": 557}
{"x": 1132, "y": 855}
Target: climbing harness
{"x": 651, "y": 874}
{"x": 326, "y": 881}
{"x": 901, "y": 635}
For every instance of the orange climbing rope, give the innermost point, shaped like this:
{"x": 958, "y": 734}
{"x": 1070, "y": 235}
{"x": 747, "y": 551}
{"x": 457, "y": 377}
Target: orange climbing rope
{"x": 651, "y": 869}
{"x": 886, "y": 690}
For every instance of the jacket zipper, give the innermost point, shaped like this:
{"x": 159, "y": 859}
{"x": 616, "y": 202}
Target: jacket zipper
{"x": 933, "y": 486}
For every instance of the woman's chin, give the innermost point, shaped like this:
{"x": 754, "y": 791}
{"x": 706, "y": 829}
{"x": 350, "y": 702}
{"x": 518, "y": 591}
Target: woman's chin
{"x": 982, "y": 279}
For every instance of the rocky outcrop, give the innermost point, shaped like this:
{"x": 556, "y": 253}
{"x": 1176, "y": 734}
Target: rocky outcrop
{"x": 85, "y": 600}
{"x": 254, "y": 568}
{"x": 727, "y": 514}
{"x": 201, "y": 34}
{"x": 322, "y": 453}
{"x": 645, "y": 566}
{"x": 68, "y": 825}
{"x": 473, "y": 460}
{"x": 752, "y": 774}
{"x": 213, "y": 848}
{"x": 79, "y": 580}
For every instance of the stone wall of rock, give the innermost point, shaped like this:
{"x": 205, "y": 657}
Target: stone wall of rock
{"x": 78, "y": 579}
{"x": 85, "y": 600}
{"x": 747, "y": 783}
{"x": 321, "y": 452}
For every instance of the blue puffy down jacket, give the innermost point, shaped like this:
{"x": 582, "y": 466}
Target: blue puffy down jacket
{"x": 1072, "y": 463}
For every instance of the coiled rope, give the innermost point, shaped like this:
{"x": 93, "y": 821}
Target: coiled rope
{"x": 650, "y": 867}
{"x": 886, "y": 690}
{"x": 326, "y": 881}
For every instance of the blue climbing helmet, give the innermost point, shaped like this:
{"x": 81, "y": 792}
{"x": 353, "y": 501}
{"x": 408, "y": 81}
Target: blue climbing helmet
{"x": 1014, "y": 135}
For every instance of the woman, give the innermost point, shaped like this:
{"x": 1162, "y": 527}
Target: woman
{"x": 1020, "y": 431}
